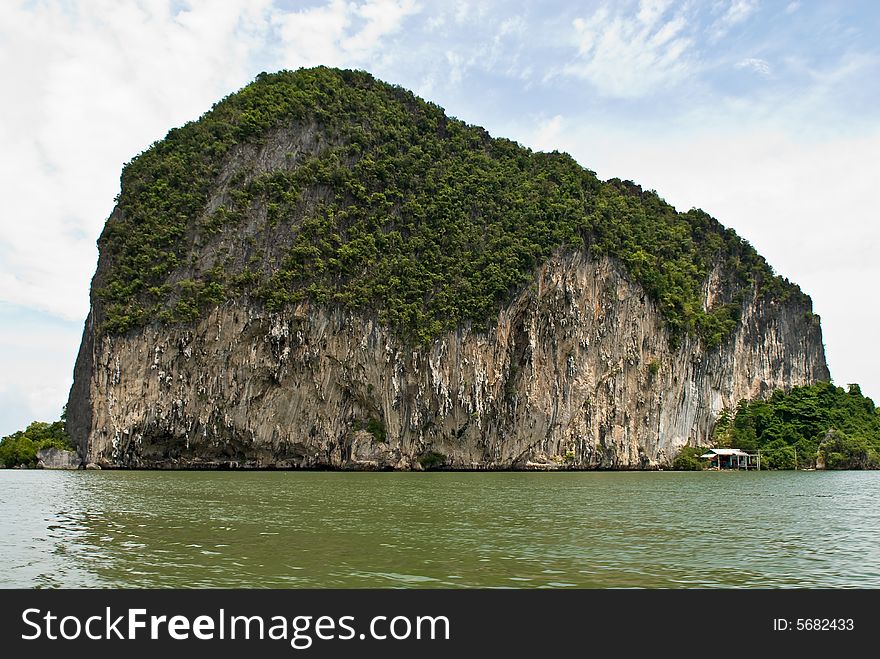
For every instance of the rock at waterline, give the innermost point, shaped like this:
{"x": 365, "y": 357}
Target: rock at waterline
{"x": 55, "y": 458}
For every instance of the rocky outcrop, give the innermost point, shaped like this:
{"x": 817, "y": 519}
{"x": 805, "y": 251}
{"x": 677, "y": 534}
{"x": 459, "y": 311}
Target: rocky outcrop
{"x": 55, "y": 458}
{"x": 578, "y": 371}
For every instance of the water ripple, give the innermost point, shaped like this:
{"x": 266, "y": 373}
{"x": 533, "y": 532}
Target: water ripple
{"x": 489, "y": 530}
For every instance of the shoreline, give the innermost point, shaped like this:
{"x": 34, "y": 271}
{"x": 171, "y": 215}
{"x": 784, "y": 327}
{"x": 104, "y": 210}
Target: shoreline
{"x": 458, "y": 470}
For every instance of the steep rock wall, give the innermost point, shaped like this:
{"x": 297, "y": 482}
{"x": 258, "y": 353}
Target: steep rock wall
{"x": 578, "y": 371}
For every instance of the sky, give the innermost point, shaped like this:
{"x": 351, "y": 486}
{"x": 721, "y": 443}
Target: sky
{"x": 762, "y": 113}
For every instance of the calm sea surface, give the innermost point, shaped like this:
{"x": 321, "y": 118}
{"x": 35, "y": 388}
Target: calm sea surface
{"x": 446, "y": 530}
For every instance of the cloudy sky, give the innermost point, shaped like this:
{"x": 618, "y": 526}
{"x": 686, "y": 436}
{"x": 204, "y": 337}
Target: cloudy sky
{"x": 765, "y": 114}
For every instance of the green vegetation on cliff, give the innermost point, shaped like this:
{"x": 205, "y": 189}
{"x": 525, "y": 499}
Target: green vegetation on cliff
{"x": 819, "y": 422}
{"x": 424, "y": 219}
{"x": 20, "y": 448}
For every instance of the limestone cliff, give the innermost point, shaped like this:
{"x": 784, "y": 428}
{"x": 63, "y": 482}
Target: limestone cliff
{"x": 581, "y": 366}
{"x": 578, "y": 371}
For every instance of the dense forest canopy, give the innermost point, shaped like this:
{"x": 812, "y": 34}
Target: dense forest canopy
{"x": 817, "y": 422}
{"x": 420, "y": 217}
{"x": 820, "y": 424}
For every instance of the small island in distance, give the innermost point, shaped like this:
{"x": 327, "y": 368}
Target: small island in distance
{"x": 325, "y": 271}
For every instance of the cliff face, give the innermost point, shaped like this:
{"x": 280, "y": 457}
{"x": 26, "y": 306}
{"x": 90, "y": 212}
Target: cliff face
{"x": 578, "y": 371}
{"x": 285, "y": 285}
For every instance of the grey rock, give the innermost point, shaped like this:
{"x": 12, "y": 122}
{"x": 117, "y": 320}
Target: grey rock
{"x": 563, "y": 379}
{"x": 54, "y": 458}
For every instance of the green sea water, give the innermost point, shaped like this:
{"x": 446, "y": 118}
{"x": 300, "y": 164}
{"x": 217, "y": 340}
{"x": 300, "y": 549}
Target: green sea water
{"x": 443, "y": 530}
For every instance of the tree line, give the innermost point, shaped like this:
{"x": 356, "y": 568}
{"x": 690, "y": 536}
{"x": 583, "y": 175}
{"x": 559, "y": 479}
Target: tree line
{"x": 20, "y": 448}
{"x": 820, "y": 425}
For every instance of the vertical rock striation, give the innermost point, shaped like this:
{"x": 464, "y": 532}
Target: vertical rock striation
{"x": 578, "y": 371}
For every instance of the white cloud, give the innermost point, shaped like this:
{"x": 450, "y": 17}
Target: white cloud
{"x": 755, "y": 64}
{"x": 851, "y": 67}
{"x": 792, "y": 7}
{"x": 650, "y": 11}
{"x": 314, "y": 36}
{"x": 628, "y": 56}
{"x": 548, "y": 134}
{"x": 514, "y": 25}
{"x": 37, "y": 358}
{"x": 469, "y": 12}
{"x": 93, "y": 84}
{"x": 382, "y": 18}
{"x": 737, "y": 12}
{"x": 456, "y": 65}
{"x": 339, "y": 33}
